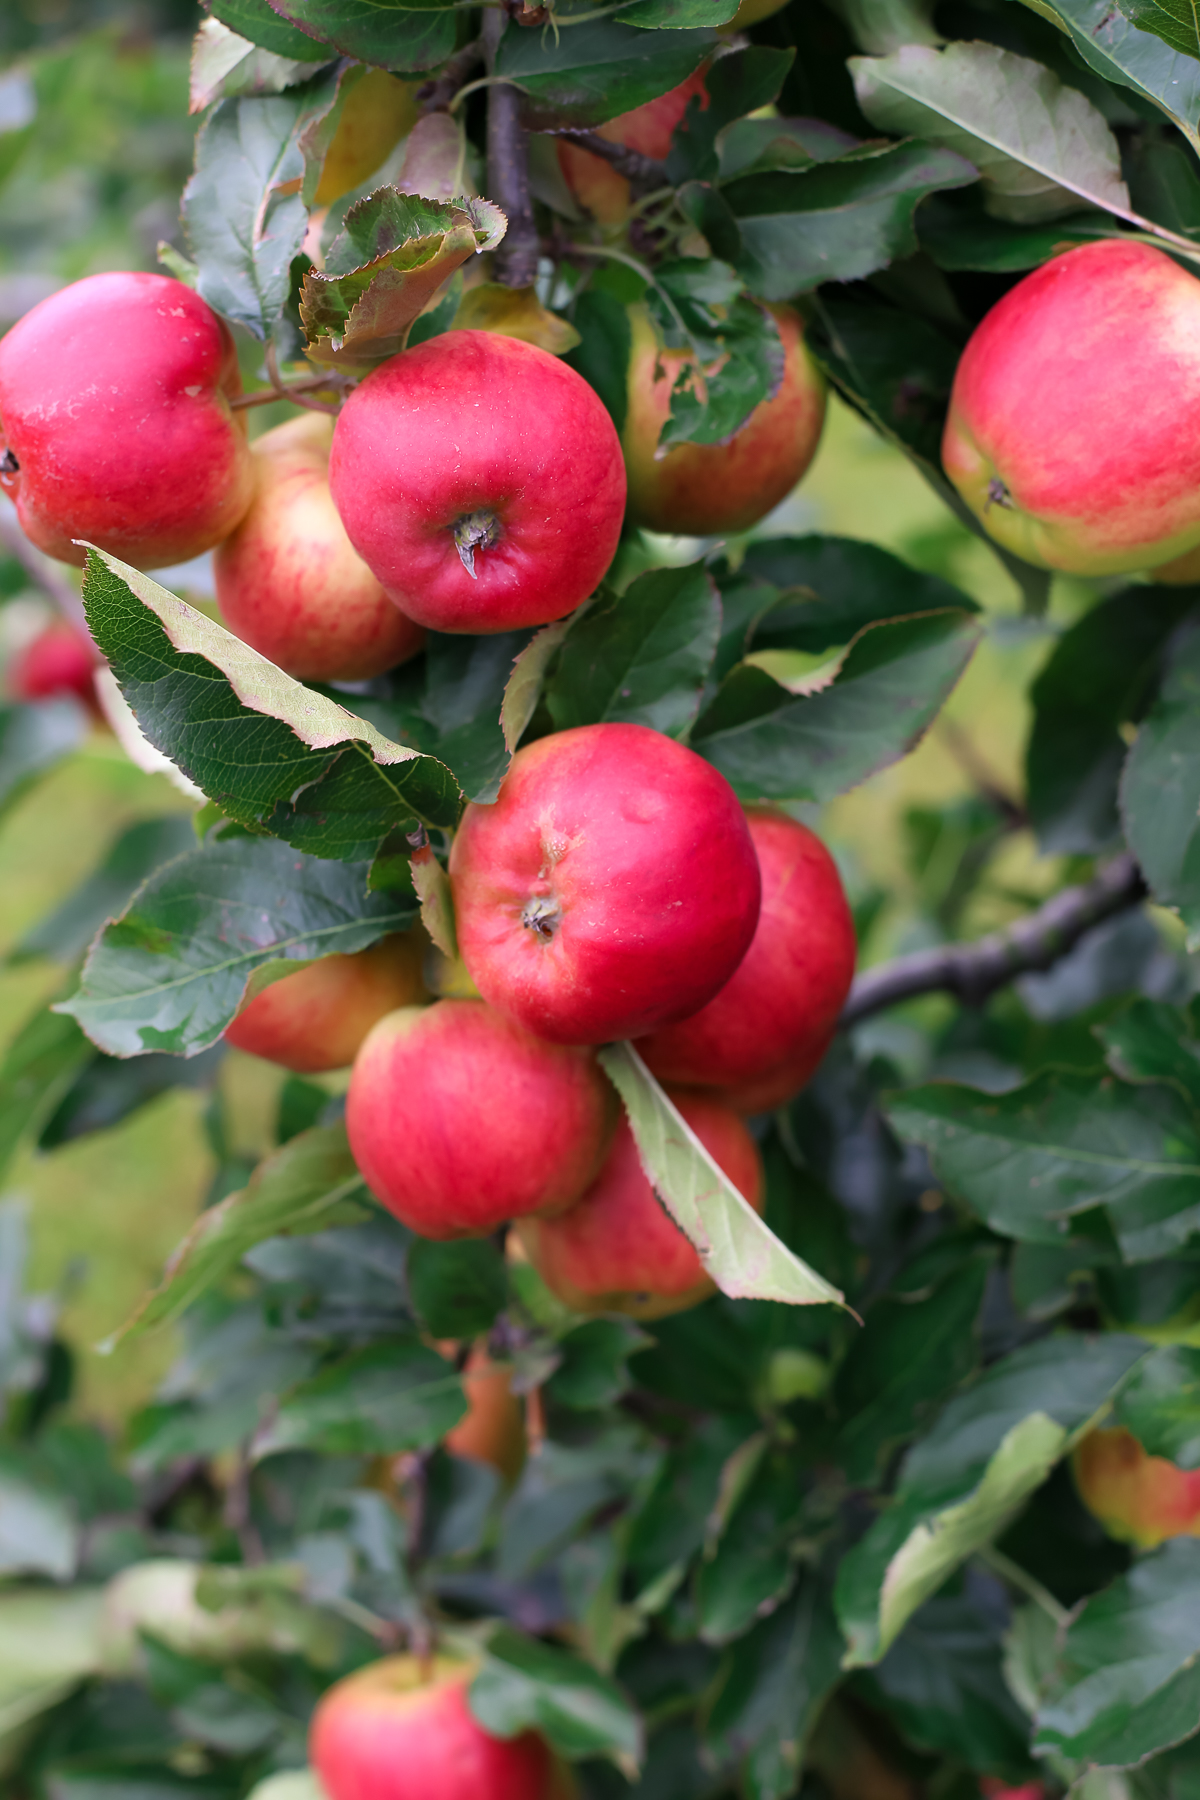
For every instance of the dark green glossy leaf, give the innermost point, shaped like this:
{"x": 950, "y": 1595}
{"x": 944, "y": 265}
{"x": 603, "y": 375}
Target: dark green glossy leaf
{"x": 561, "y": 1489}
{"x": 1150, "y": 1041}
{"x": 32, "y": 739}
{"x": 839, "y": 220}
{"x": 1099, "y": 677}
{"x": 465, "y": 683}
{"x": 641, "y": 656}
{"x": 1129, "y": 1679}
{"x": 831, "y": 588}
{"x": 957, "y": 233}
{"x": 602, "y": 354}
{"x": 273, "y": 754}
{"x": 172, "y": 971}
{"x": 456, "y": 1289}
{"x": 736, "y": 345}
{"x": 677, "y": 15}
{"x": 894, "y": 367}
{"x": 404, "y": 39}
{"x": 967, "y": 1479}
{"x": 593, "y": 1369}
{"x": 669, "y": 1526}
{"x": 526, "y": 1685}
{"x": 596, "y": 70}
{"x": 737, "y": 84}
{"x": 394, "y": 1395}
{"x": 752, "y": 1565}
{"x": 771, "y": 743}
{"x": 1027, "y": 1160}
{"x": 261, "y": 24}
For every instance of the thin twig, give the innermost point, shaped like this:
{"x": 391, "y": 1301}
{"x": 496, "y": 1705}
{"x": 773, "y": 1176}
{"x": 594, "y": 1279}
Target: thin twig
{"x": 508, "y": 170}
{"x": 973, "y": 972}
{"x": 436, "y": 95}
{"x": 1025, "y": 1583}
{"x": 41, "y": 571}
{"x": 641, "y": 171}
{"x": 298, "y": 395}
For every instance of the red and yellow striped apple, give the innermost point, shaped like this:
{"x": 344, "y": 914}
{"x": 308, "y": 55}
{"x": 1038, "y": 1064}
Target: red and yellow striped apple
{"x": 317, "y": 1018}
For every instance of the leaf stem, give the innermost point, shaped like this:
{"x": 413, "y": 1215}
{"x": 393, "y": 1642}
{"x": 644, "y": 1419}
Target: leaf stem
{"x": 1025, "y": 1583}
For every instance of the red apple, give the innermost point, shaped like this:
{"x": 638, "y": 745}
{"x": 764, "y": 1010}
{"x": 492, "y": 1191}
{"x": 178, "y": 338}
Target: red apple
{"x": 459, "y": 1119}
{"x": 59, "y": 660}
{"x": 317, "y": 1018}
{"x": 1138, "y": 1498}
{"x": 289, "y": 581}
{"x": 610, "y": 888}
{"x": 481, "y": 480}
{"x": 703, "y": 489}
{"x": 648, "y": 129}
{"x": 493, "y": 1430}
{"x": 992, "y": 1789}
{"x": 762, "y": 1036}
{"x": 1070, "y": 425}
{"x": 114, "y": 409}
{"x": 617, "y": 1250}
{"x": 401, "y": 1729}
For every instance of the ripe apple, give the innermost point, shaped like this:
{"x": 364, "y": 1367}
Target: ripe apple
{"x": 648, "y": 129}
{"x": 493, "y": 1430}
{"x": 379, "y": 110}
{"x": 760, "y": 1038}
{"x": 1069, "y": 431}
{"x": 617, "y": 1250}
{"x": 115, "y": 421}
{"x": 401, "y": 1729}
{"x": 317, "y": 1018}
{"x": 611, "y": 887}
{"x": 703, "y": 489}
{"x": 1000, "y": 1790}
{"x": 459, "y": 1118}
{"x": 289, "y": 581}
{"x": 1138, "y": 1498}
{"x": 61, "y": 659}
{"x": 481, "y": 480}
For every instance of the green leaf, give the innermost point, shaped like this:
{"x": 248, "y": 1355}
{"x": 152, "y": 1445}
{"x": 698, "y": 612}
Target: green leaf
{"x": 602, "y": 354}
{"x": 1128, "y": 1683}
{"x": 525, "y": 1685}
{"x": 963, "y": 1483}
{"x": 273, "y": 754}
{"x": 593, "y": 1369}
{"x": 308, "y": 1185}
{"x": 1099, "y": 677}
{"x": 39, "y": 1532}
{"x": 225, "y": 65}
{"x": 405, "y": 39}
{"x": 394, "y": 1395}
{"x": 32, "y": 740}
{"x": 737, "y": 351}
{"x": 49, "y": 1641}
{"x": 1115, "y": 48}
{"x": 956, "y": 231}
{"x": 1040, "y": 147}
{"x": 172, "y": 971}
{"x": 1160, "y": 789}
{"x": 65, "y": 933}
{"x": 737, "y": 1249}
{"x": 106, "y": 1090}
{"x": 524, "y": 687}
{"x": 1174, "y": 21}
{"x": 394, "y": 253}
{"x": 242, "y": 208}
{"x": 771, "y": 743}
{"x": 770, "y": 1690}
{"x": 642, "y": 656}
{"x": 1026, "y": 1161}
{"x": 751, "y": 1567}
{"x": 1150, "y": 1041}
{"x": 36, "y": 1071}
{"x": 467, "y": 683}
{"x": 839, "y": 220}
{"x": 261, "y": 24}
{"x": 456, "y": 1288}
{"x": 737, "y": 84}
{"x": 676, "y": 15}
{"x": 670, "y": 1524}
{"x": 1160, "y": 1405}
{"x": 596, "y": 70}
{"x": 293, "y": 1784}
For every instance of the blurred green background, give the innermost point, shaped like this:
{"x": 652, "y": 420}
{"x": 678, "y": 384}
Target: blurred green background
{"x": 94, "y": 148}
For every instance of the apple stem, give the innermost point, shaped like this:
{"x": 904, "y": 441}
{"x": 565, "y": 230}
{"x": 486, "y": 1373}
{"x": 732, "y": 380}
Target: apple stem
{"x": 474, "y": 531}
{"x": 516, "y": 257}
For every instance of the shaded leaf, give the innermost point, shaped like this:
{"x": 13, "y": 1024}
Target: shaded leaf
{"x": 641, "y": 657}
{"x": 597, "y": 69}
{"x": 394, "y": 1395}
{"x": 32, "y": 739}
{"x": 737, "y": 1249}
{"x": 1160, "y": 788}
{"x": 261, "y": 24}
{"x": 273, "y": 754}
{"x": 403, "y": 39}
{"x": 738, "y": 356}
{"x": 1112, "y": 45}
{"x": 456, "y": 1288}
{"x": 1150, "y": 1041}
{"x": 1040, "y": 147}
{"x": 106, "y": 1090}
{"x": 737, "y": 84}
{"x": 526, "y": 1685}
{"x": 173, "y": 971}
{"x": 751, "y": 1567}
{"x": 593, "y": 1369}
{"x": 1160, "y": 1405}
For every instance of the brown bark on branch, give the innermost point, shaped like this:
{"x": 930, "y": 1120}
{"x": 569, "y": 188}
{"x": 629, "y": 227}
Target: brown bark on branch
{"x": 436, "y": 95}
{"x": 516, "y": 258}
{"x": 973, "y": 972}
{"x": 642, "y": 171}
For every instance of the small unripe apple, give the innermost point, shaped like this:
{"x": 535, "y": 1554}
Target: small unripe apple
{"x": 481, "y": 480}
{"x": 648, "y": 129}
{"x": 1138, "y": 1498}
{"x": 289, "y": 581}
{"x": 617, "y": 1250}
{"x": 459, "y": 1119}
{"x": 611, "y": 887}
{"x": 115, "y": 421}
{"x": 703, "y": 489}
{"x": 60, "y": 660}
{"x": 493, "y": 1430}
{"x": 401, "y": 1729}
{"x": 762, "y": 1036}
{"x": 317, "y": 1018}
{"x": 379, "y": 110}
{"x": 1070, "y": 425}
